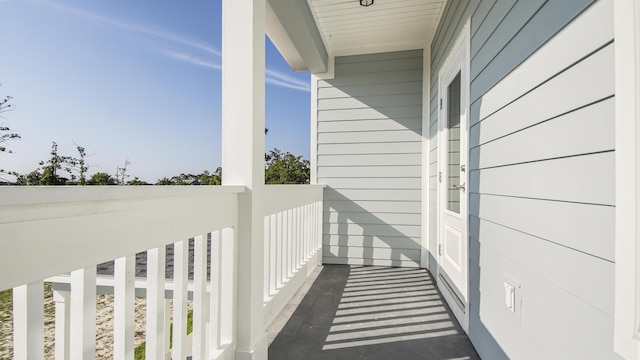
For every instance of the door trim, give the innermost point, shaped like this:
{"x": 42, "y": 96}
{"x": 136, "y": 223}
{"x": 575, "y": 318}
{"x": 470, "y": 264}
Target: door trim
{"x": 627, "y": 125}
{"x": 458, "y": 59}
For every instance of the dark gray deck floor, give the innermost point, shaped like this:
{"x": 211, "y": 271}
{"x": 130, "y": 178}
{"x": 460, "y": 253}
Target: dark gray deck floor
{"x": 372, "y": 313}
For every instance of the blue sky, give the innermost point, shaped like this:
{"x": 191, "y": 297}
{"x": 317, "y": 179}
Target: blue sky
{"x": 137, "y": 80}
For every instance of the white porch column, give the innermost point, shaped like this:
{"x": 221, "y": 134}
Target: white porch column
{"x": 243, "y": 71}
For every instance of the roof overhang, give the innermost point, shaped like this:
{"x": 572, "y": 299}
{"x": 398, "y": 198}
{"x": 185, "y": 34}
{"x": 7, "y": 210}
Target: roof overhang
{"x": 310, "y": 32}
{"x": 292, "y": 29}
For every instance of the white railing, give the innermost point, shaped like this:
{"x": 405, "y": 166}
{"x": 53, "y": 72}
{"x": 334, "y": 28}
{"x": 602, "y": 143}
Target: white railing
{"x": 293, "y": 236}
{"x": 46, "y": 231}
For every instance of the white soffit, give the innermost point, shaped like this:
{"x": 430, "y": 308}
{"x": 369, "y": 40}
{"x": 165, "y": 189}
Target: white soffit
{"x": 347, "y": 28}
{"x": 282, "y": 41}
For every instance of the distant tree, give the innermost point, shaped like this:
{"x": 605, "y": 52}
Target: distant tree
{"x": 5, "y": 132}
{"x": 79, "y": 165}
{"x": 165, "y": 181}
{"x": 182, "y": 179}
{"x": 33, "y": 178}
{"x": 121, "y": 173}
{"x": 137, "y": 181}
{"x": 101, "y": 178}
{"x": 285, "y": 168}
{"x": 51, "y": 168}
{"x": 50, "y": 171}
{"x": 211, "y": 179}
{"x": 204, "y": 178}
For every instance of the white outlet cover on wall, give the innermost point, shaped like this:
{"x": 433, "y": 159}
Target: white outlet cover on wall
{"x": 510, "y": 296}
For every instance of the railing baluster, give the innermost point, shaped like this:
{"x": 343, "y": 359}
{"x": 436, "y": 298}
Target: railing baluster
{"x": 180, "y": 277}
{"x": 290, "y": 243}
{"x": 28, "y": 321}
{"x": 300, "y": 237}
{"x": 305, "y": 222}
{"x": 272, "y": 250}
{"x": 83, "y": 314}
{"x": 214, "y": 295}
{"x": 199, "y": 296}
{"x": 282, "y": 259}
{"x": 155, "y": 337}
{"x": 319, "y": 221}
{"x": 294, "y": 240}
{"x": 310, "y": 230}
{"x": 285, "y": 247}
{"x": 167, "y": 328}
{"x": 316, "y": 215}
{"x": 279, "y": 250}
{"x": 62, "y": 300}
{"x": 228, "y": 262}
{"x": 267, "y": 257}
{"x": 312, "y": 221}
{"x": 124, "y": 302}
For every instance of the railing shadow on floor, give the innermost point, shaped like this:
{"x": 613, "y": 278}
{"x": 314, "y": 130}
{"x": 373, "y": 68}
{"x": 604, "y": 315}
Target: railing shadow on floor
{"x": 373, "y": 313}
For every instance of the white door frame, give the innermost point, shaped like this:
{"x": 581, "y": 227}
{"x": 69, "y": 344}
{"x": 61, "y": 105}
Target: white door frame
{"x": 458, "y": 59}
{"x": 627, "y": 249}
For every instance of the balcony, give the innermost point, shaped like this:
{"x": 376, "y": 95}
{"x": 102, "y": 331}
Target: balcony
{"x": 62, "y": 234}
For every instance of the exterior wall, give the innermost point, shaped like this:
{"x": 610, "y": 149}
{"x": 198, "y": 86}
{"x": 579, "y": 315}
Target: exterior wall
{"x": 369, "y": 155}
{"x": 541, "y": 161}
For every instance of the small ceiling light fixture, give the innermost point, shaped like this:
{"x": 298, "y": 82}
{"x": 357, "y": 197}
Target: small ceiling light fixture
{"x": 366, "y": 2}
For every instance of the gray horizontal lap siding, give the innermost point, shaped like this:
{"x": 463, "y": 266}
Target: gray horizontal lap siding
{"x": 541, "y": 160}
{"x": 369, "y": 155}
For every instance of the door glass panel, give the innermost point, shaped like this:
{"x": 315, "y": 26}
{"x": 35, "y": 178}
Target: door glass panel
{"x": 453, "y": 145}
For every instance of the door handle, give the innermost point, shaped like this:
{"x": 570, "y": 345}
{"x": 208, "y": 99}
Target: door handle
{"x": 459, "y": 187}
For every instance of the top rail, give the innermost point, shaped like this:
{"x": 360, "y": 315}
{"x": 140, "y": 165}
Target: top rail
{"x": 279, "y": 198}
{"x": 45, "y": 231}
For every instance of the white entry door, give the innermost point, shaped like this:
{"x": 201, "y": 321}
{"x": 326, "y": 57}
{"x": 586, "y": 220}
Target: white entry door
{"x": 453, "y": 180}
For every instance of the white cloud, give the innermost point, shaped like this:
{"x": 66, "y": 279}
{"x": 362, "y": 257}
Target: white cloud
{"x": 277, "y": 78}
{"x": 190, "y": 59}
{"x": 273, "y": 77}
{"x": 131, "y": 27}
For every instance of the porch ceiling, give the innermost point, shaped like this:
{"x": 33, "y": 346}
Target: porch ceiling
{"x": 388, "y": 25}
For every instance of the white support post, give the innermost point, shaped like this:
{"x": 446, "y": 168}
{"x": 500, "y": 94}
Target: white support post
{"x": 180, "y": 277}
{"x": 83, "y": 314}
{"x": 155, "y": 336}
{"x": 28, "y": 321}
{"x": 200, "y": 311}
{"x": 243, "y": 101}
{"x": 62, "y": 301}
{"x": 123, "y": 308}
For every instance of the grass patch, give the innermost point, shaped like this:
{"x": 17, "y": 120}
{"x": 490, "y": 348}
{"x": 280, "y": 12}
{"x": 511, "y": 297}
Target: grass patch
{"x": 6, "y": 304}
{"x": 139, "y": 352}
